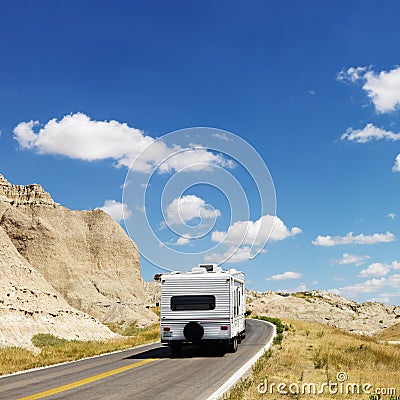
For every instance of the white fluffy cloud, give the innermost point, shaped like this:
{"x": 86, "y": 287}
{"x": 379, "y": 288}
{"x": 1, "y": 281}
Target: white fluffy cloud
{"x": 185, "y": 208}
{"x": 396, "y": 166}
{"x": 383, "y": 88}
{"x": 369, "y": 286}
{"x": 395, "y": 264}
{"x": 353, "y": 259}
{"x": 386, "y": 297}
{"x": 117, "y": 211}
{"x": 374, "y": 270}
{"x": 369, "y": 133}
{"x": 221, "y": 136}
{"x": 196, "y": 159}
{"x": 255, "y": 232}
{"x": 352, "y": 74}
{"x": 232, "y": 255}
{"x": 78, "y": 136}
{"x": 329, "y": 241}
{"x": 394, "y": 281}
{"x": 182, "y": 240}
{"x": 242, "y": 235}
{"x": 285, "y": 275}
{"x": 379, "y": 269}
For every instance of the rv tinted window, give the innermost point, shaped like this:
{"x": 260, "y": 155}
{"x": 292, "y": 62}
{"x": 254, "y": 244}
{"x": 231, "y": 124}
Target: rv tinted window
{"x": 201, "y": 302}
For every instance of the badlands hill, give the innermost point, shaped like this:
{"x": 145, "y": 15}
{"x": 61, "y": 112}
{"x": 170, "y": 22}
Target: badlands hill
{"x": 370, "y": 318}
{"x": 63, "y": 271}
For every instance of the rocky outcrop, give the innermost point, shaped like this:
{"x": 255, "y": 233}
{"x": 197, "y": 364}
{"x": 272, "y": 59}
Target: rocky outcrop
{"x": 19, "y": 195}
{"x": 30, "y": 305}
{"x": 368, "y": 318}
{"x": 84, "y": 256}
{"x": 153, "y": 292}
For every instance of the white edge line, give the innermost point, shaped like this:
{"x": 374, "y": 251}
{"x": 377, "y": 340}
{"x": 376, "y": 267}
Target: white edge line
{"x": 241, "y": 371}
{"x": 74, "y": 361}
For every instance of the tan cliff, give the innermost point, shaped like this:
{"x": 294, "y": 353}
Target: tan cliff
{"x": 85, "y": 257}
{"x": 30, "y": 305}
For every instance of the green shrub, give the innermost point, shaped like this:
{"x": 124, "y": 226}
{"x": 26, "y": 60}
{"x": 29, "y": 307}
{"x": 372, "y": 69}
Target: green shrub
{"x": 278, "y": 338}
{"x": 42, "y": 340}
{"x": 124, "y": 329}
{"x": 320, "y": 360}
{"x": 236, "y": 393}
{"x": 261, "y": 362}
{"x": 280, "y": 326}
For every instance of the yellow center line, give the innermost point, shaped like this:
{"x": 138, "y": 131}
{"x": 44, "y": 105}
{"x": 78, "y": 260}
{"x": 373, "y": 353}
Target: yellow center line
{"x": 87, "y": 380}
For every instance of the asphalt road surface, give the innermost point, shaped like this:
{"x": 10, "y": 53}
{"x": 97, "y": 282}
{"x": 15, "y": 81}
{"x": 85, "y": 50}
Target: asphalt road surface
{"x": 146, "y": 373}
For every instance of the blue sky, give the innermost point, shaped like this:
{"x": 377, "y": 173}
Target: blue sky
{"x": 290, "y": 78}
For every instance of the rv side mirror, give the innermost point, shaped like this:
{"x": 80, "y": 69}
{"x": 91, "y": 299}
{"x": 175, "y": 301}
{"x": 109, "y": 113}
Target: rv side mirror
{"x": 247, "y": 313}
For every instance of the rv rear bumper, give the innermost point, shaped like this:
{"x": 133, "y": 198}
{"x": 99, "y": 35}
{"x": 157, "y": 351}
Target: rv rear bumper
{"x": 217, "y": 341}
{"x": 223, "y": 339}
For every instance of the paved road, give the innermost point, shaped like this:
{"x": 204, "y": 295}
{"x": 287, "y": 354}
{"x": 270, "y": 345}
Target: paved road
{"x": 147, "y": 373}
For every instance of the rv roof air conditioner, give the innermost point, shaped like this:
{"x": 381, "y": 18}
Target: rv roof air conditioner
{"x": 205, "y": 268}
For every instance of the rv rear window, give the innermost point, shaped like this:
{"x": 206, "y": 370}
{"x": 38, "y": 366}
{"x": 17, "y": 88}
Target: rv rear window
{"x": 199, "y": 302}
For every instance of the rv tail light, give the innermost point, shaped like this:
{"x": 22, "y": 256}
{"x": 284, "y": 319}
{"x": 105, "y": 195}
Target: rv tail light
{"x": 166, "y": 329}
{"x": 224, "y": 328}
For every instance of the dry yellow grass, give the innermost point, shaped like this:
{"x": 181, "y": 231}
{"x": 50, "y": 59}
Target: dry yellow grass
{"x": 392, "y": 333}
{"x": 316, "y": 353}
{"x": 55, "y": 351}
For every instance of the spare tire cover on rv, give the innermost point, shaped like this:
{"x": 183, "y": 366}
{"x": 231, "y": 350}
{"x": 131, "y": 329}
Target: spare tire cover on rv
{"x": 193, "y": 331}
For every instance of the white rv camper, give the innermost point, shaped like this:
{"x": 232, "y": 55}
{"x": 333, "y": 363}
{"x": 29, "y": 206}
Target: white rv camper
{"x": 206, "y": 304}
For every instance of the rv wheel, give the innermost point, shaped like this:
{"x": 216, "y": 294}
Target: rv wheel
{"x": 233, "y": 345}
